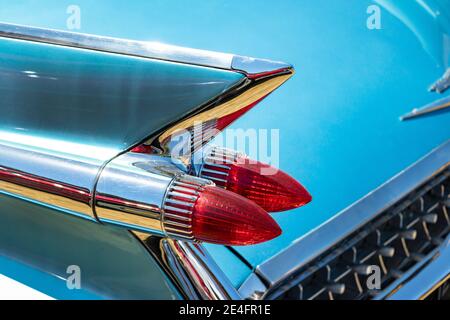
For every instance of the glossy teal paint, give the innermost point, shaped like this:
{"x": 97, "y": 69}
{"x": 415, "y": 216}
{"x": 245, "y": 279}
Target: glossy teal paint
{"x": 43, "y": 243}
{"x": 338, "y": 116}
{"x": 42, "y": 281}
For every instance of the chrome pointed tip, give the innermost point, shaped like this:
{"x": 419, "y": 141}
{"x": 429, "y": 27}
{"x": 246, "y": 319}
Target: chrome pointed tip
{"x": 259, "y": 68}
{"x": 438, "y": 105}
{"x": 408, "y": 116}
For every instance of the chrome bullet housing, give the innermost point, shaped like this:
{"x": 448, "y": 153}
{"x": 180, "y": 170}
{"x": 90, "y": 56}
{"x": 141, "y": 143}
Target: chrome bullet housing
{"x": 147, "y": 193}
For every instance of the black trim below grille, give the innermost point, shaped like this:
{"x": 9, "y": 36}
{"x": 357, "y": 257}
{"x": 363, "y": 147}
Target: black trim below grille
{"x": 396, "y": 241}
{"x": 440, "y": 293}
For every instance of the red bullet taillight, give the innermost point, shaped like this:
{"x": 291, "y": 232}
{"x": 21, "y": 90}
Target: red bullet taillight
{"x": 270, "y": 188}
{"x": 196, "y": 210}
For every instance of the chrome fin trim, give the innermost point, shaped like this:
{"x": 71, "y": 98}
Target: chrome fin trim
{"x": 143, "y": 49}
{"x": 153, "y": 50}
{"x": 257, "y": 68}
{"x": 435, "y": 106}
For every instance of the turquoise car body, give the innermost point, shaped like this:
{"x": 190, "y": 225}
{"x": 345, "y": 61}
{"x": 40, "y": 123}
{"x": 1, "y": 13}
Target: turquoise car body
{"x": 338, "y": 117}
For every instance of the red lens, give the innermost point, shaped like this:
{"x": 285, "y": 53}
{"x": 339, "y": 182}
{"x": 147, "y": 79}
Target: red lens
{"x": 270, "y": 188}
{"x": 223, "y": 217}
{"x": 143, "y": 148}
{"x": 274, "y": 192}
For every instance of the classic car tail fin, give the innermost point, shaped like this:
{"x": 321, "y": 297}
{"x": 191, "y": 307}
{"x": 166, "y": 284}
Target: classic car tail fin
{"x": 98, "y": 93}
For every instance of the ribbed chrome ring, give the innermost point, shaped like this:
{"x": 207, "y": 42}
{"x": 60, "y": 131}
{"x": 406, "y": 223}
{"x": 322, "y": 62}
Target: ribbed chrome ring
{"x": 178, "y": 205}
{"x": 217, "y": 164}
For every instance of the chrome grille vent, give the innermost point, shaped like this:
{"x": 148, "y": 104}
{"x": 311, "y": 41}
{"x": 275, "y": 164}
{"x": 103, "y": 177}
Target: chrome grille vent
{"x": 396, "y": 242}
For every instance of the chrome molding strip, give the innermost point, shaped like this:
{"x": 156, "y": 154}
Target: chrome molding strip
{"x": 287, "y": 262}
{"x": 438, "y": 105}
{"x": 142, "y": 49}
{"x": 64, "y": 182}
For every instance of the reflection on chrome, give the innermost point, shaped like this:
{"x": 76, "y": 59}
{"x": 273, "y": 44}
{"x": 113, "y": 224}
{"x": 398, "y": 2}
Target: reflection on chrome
{"x": 439, "y": 105}
{"x": 202, "y": 126}
{"x": 191, "y": 267}
{"x": 62, "y": 182}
